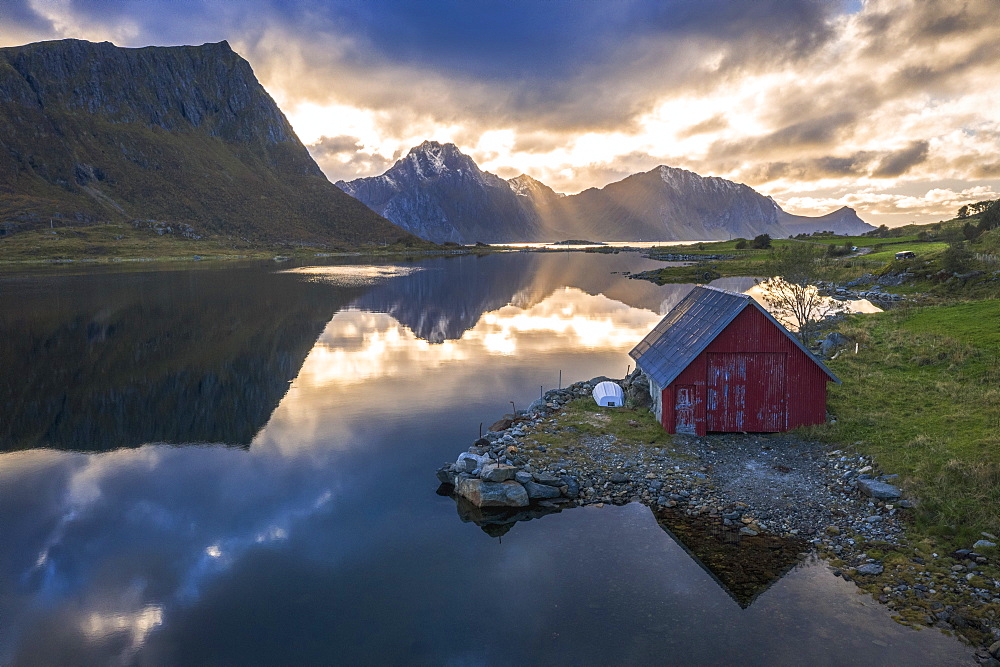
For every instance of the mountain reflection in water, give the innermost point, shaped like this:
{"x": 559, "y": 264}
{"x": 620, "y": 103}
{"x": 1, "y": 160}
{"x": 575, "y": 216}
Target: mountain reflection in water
{"x": 105, "y": 361}
{"x": 323, "y": 541}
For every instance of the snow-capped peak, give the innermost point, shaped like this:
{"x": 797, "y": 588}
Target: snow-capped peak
{"x": 432, "y": 158}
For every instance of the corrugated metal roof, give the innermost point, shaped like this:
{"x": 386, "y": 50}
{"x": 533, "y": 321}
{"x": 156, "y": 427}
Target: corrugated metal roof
{"x": 688, "y": 329}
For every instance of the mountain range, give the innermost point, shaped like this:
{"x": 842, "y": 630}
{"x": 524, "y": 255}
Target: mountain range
{"x": 440, "y": 194}
{"x": 185, "y": 137}
{"x": 91, "y": 133}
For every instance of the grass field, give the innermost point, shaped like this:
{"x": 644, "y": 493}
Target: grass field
{"x": 121, "y": 242}
{"x": 716, "y": 248}
{"x": 918, "y": 248}
{"x": 923, "y": 397}
{"x": 860, "y": 241}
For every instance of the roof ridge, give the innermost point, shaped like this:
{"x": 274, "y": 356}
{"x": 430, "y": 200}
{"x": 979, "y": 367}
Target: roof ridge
{"x": 724, "y": 291}
{"x": 690, "y": 327}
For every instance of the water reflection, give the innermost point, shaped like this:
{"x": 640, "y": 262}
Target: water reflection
{"x": 107, "y": 361}
{"x": 497, "y": 522}
{"x": 451, "y": 295}
{"x": 352, "y": 274}
{"x": 743, "y": 566}
{"x": 323, "y": 542}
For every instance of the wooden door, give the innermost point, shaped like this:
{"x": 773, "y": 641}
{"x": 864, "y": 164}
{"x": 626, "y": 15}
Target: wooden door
{"x": 684, "y": 409}
{"x": 746, "y": 392}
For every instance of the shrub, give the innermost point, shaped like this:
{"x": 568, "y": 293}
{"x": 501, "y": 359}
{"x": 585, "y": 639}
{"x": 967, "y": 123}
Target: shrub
{"x": 957, "y": 258}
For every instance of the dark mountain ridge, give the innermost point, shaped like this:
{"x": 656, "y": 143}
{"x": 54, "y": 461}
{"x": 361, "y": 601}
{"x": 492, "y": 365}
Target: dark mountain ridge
{"x": 844, "y": 220}
{"x": 440, "y": 194}
{"x": 669, "y": 204}
{"x": 91, "y": 132}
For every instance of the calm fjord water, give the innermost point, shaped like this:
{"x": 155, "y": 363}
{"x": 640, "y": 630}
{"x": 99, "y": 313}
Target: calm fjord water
{"x": 236, "y": 466}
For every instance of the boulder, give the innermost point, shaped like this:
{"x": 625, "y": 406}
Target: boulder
{"x": 870, "y": 569}
{"x": 637, "y": 392}
{"x": 572, "y": 486}
{"x": 548, "y": 479}
{"x": 880, "y": 490}
{"x": 492, "y": 494}
{"x": 446, "y": 474}
{"x": 866, "y": 279}
{"x": 492, "y": 472}
{"x": 833, "y": 342}
{"x": 468, "y": 462}
{"x": 538, "y": 405}
{"x": 537, "y": 491}
{"x": 501, "y": 424}
{"x": 523, "y": 477}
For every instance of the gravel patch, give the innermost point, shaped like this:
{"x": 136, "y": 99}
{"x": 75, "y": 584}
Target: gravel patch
{"x": 838, "y": 501}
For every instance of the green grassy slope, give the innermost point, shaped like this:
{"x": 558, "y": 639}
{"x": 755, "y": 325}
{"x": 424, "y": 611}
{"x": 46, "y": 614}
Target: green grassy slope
{"x": 923, "y": 396}
{"x": 91, "y": 133}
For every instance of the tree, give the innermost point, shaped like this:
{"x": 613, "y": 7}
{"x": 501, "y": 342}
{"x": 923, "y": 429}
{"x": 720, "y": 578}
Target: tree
{"x": 761, "y": 241}
{"x": 741, "y": 244}
{"x": 969, "y": 231}
{"x": 990, "y": 218}
{"x": 792, "y": 295}
{"x": 963, "y": 212}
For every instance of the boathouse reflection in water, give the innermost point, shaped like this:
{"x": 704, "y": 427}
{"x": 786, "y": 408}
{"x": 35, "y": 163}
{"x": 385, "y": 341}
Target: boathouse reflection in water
{"x": 744, "y": 566}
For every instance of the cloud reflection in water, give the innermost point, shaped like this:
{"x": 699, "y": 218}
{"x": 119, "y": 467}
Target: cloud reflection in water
{"x": 358, "y": 346}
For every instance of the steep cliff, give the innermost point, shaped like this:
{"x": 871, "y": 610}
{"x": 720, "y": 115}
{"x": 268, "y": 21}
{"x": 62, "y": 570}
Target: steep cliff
{"x": 96, "y": 133}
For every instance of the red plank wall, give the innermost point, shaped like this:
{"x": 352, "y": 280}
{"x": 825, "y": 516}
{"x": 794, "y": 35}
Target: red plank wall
{"x": 750, "y": 332}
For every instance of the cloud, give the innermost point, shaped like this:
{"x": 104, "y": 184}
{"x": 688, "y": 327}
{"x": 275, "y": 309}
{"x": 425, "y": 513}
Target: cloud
{"x": 20, "y": 14}
{"x": 940, "y": 203}
{"x": 987, "y": 170}
{"x": 343, "y": 157}
{"x": 524, "y": 61}
{"x": 331, "y": 146}
{"x": 794, "y": 95}
{"x": 871, "y": 164}
{"x": 899, "y": 162}
{"x": 713, "y": 124}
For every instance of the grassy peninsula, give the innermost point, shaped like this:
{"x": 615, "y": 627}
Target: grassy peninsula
{"x": 922, "y": 394}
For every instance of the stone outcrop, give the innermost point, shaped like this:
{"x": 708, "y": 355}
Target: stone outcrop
{"x": 879, "y": 489}
{"x": 492, "y": 475}
{"x": 482, "y": 493}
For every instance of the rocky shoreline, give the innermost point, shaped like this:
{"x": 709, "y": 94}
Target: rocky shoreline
{"x": 838, "y": 502}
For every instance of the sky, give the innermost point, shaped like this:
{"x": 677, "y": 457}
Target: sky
{"x": 889, "y": 106}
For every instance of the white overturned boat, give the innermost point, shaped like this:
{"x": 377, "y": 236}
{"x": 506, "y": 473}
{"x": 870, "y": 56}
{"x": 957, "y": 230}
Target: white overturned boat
{"x": 609, "y": 395}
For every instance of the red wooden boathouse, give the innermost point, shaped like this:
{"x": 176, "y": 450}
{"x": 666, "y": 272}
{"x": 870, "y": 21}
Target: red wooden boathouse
{"x": 720, "y": 362}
